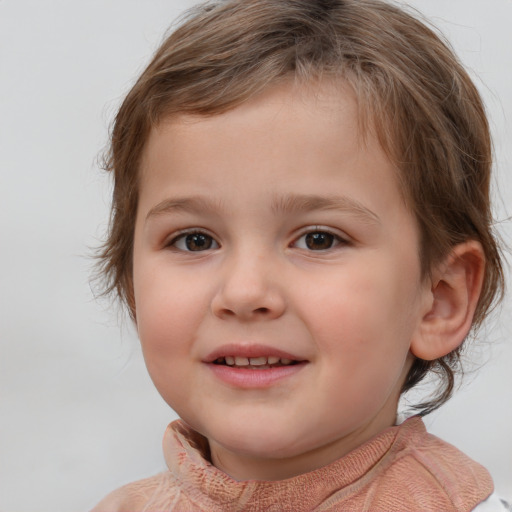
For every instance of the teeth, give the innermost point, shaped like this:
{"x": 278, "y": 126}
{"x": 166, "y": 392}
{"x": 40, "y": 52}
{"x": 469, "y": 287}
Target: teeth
{"x": 258, "y": 361}
{"x": 261, "y": 362}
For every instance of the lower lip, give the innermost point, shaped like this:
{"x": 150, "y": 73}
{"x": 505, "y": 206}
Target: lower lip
{"x": 252, "y": 379}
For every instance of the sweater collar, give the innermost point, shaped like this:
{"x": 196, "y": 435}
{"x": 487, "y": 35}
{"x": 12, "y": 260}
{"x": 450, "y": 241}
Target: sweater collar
{"x": 187, "y": 456}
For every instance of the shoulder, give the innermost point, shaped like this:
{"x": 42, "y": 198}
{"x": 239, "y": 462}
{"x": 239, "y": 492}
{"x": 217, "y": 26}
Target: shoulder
{"x": 442, "y": 472}
{"x": 132, "y": 497}
{"x": 445, "y": 462}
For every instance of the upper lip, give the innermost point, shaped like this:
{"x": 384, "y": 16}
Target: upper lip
{"x": 252, "y": 350}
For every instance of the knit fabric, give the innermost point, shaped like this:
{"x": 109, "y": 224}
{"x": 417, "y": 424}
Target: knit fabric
{"x": 402, "y": 469}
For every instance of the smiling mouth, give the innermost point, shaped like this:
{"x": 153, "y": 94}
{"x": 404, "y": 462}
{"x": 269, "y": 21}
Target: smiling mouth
{"x": 255, "y": 363}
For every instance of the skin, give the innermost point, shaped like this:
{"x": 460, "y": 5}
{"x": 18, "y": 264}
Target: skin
{"x": 352, "y": 307}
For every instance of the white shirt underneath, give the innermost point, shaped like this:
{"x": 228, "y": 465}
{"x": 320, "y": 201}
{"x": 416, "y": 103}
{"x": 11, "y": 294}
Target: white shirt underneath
{"x": 493, "y": 504}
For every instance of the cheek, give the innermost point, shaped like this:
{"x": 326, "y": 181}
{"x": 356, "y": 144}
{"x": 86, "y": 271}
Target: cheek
{"x": 168, "y": 312}
{"x": 165, "y": 324}
{"x": 368, "y": 314}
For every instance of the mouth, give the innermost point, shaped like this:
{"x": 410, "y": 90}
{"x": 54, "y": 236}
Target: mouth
{"x": 254, "y": 366}
{"x": 255, "y": 363}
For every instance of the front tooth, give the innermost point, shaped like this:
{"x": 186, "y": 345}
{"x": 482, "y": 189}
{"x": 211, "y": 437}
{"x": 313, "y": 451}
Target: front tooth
{"x": 241, "y": 361}
{"x": 230, "y": 360}
{"x": 258, "y": 361}
{"x": 285, "y": 361}
{"x": 273, "y": 360}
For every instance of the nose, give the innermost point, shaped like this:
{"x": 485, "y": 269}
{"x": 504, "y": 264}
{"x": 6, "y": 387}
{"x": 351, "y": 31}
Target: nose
{"x": 249, "y": 289}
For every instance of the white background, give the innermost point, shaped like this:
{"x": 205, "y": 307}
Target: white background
{"x": 78, "y": 414}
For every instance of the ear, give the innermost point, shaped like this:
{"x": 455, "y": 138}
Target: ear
{"x": 453, "y": 297}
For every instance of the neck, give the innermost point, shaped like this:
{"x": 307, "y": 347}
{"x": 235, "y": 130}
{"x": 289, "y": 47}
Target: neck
{"x": 243, "y": 467}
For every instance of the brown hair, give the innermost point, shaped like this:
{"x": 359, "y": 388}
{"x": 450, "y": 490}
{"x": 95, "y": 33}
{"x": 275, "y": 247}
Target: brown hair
{"x": 411, "y": 90}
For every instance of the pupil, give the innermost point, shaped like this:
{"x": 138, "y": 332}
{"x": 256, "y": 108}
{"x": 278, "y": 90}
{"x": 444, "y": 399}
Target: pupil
{"x": 198, "y": 242}
{"x": 319, "y": 241}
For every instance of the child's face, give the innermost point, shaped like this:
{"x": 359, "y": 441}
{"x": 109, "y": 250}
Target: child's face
{"x": 273, "y": 231}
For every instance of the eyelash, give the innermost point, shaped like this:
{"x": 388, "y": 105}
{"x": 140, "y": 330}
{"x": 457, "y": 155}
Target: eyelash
{"x": 319, "y": 234}
{"x": 315, "y": 234}
{"x": 183, "y": 237}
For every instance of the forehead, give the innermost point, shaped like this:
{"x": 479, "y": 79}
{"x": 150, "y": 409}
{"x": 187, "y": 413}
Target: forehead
{"x": 290, "y": 105}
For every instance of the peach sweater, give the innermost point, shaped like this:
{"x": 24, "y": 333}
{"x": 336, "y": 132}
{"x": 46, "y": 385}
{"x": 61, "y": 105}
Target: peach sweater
{"x": 402, "y": 469}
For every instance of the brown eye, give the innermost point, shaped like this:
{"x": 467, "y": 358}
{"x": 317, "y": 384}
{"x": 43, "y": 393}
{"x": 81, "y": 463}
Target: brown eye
{"x": 193, "y": 242}
{"x": 319, "y": 241}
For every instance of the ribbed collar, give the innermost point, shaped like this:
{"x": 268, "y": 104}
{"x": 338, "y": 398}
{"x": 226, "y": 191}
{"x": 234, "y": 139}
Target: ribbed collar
{"x": 186, "y": 455}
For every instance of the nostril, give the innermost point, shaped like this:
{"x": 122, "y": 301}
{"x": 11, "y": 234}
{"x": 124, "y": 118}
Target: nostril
{"x": 246, "y": 304}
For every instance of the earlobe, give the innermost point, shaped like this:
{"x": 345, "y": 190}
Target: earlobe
{"x": 455, "y": 290}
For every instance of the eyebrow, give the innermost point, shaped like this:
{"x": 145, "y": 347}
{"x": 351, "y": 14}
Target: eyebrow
{"x": 310, "y": 202}
{"x": 184, "y": 204}
{"x": 289, "y": 204}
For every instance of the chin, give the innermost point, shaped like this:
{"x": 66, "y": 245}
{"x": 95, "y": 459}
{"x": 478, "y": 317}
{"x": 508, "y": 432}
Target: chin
{"x": 259, "y": 440}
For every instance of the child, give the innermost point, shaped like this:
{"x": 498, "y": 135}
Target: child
{"x": 301, "y": 231}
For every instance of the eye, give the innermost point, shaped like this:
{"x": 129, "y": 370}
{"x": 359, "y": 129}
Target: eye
{"x": 194, "y": 242}
{"x": 318, "y": 241}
